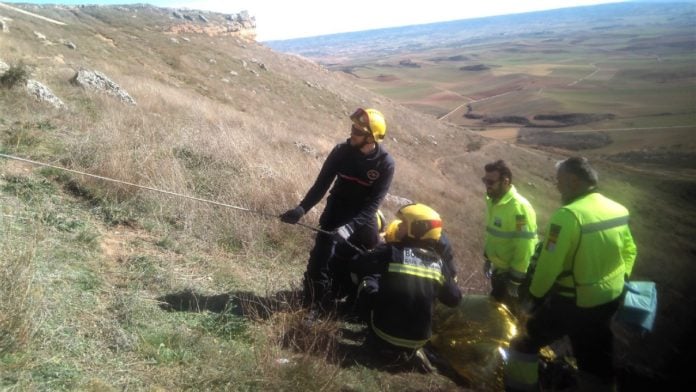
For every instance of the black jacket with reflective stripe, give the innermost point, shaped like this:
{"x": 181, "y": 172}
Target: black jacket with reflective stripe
{"x": 410, "y": 279}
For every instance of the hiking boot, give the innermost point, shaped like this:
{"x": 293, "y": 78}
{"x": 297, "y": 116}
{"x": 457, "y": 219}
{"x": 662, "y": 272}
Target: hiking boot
{"x": 421, "y": 359}
{"x": 435, "y": 359}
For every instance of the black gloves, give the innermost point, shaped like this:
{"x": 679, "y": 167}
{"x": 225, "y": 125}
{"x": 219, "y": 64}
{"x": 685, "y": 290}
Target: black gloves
{"x": 292, "y": 216}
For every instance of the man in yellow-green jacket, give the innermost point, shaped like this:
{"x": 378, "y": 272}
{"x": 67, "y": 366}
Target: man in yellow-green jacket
{"x": 587, "y": 255}
{"x": 510, "y": 233}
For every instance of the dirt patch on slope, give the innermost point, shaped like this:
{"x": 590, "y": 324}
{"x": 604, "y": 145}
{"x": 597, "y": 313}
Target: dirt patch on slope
{"x": 15, "y": 168}
{"x": 115, "y": 242}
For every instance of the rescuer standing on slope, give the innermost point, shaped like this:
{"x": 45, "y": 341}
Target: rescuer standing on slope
{"x": 587, "y": 255}
{"x": 510, "y": 233}
{"x": 363, "y": 171}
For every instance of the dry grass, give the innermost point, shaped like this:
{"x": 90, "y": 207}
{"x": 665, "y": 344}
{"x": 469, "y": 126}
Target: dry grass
{"x": 17, "y": 309}
{"x": 104, "y": 253}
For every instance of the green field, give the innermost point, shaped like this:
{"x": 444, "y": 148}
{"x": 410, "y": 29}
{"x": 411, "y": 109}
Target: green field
{"x": 640, "y": 70}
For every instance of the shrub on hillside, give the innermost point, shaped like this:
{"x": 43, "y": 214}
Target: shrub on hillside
{"x": 16, "y": 75}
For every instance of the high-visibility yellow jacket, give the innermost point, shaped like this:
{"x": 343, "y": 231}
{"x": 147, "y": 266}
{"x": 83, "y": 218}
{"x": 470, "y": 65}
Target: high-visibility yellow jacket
{"x": 510, "y": 233}
{"x": 588, "y": 252}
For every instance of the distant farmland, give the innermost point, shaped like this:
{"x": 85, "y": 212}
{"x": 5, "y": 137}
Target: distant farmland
{"x": 615, "y": 65}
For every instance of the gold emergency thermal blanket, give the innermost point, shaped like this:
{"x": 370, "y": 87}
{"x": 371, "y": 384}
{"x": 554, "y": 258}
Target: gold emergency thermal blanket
{"x": 472, "y": 338}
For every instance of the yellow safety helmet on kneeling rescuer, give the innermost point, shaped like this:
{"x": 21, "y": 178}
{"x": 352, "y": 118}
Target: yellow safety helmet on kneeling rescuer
{"x": 423, "y": 222}
{"x": 392, "y": 231}
{"x": 372, "y": 121}
{"x": 381, "y": 221}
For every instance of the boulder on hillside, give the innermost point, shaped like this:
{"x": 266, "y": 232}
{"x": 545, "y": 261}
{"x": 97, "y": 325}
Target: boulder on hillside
{"x": 397, "y": 200}
{"x": 247, "y": 21}
{"x": 44, "y": 94}
{"x": 67, "y": 43}
{"x": 3, "y": 67}
{"x": 96, "y": 80}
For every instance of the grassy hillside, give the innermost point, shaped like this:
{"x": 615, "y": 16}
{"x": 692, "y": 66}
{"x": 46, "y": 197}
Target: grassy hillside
{"x": 93, "y": 268}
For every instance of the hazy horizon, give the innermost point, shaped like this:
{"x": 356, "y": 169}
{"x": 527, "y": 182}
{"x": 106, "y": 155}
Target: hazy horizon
{"x": 308, "y": 18}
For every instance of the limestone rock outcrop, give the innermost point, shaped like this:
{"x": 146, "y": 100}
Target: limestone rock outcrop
{"x": 44, "y": 94}
{"x": 96, "y": 80}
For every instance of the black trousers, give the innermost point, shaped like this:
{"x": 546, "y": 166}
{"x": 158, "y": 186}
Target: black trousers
{"x": 589, "y": 330}
{"x": 319, "y": 276}
{"x": 499, "y": 287}
{"x": 499, "y": 293}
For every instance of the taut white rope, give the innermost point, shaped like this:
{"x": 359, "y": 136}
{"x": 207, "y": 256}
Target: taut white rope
{"x": 156, "y": 190}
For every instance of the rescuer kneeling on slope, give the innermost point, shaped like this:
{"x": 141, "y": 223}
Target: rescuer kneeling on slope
{"x": 402, "y": 278}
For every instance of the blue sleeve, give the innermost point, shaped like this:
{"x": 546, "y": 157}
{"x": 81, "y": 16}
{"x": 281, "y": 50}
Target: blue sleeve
{"x": 444, "y": 249}
{"x": 449, "y": 294}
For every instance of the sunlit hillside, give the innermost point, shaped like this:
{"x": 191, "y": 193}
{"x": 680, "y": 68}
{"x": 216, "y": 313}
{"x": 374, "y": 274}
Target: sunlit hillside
{"x": 216, "y": 117}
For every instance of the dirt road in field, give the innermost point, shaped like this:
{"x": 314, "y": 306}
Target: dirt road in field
{"x": 444, "y": 117}
{"x": 31, "y": 14}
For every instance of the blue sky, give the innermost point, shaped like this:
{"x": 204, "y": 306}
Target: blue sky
{"x": 285, "y": 19}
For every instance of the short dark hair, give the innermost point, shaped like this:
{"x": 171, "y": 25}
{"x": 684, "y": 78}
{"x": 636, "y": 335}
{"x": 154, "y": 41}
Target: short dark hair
{"x": 580, "y": 167}
{"x": 501, "y": 167}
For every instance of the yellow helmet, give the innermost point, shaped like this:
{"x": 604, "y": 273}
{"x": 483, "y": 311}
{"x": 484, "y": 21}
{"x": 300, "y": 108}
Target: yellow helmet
{"x": 391, "y": 232}
{"x": 381, "y": 221}
{"x": 423, "y": 222}
{"x": 370, "y": 120}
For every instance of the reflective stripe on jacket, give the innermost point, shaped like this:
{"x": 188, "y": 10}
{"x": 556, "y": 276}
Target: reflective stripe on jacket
{"x": 410, "y": 280}
{"x": 510, "y": 232}
{"x": 587, "y": 251}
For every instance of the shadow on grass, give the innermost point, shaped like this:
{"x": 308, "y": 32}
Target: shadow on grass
{"x": 241, "y": 303}
{"x": 335, "y": 336}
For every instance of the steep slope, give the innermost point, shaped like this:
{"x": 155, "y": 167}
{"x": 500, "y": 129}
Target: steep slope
{"x": 221, "y": 117}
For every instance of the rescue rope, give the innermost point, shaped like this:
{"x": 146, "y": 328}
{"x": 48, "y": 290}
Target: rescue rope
{"x": 265, "y": 214}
